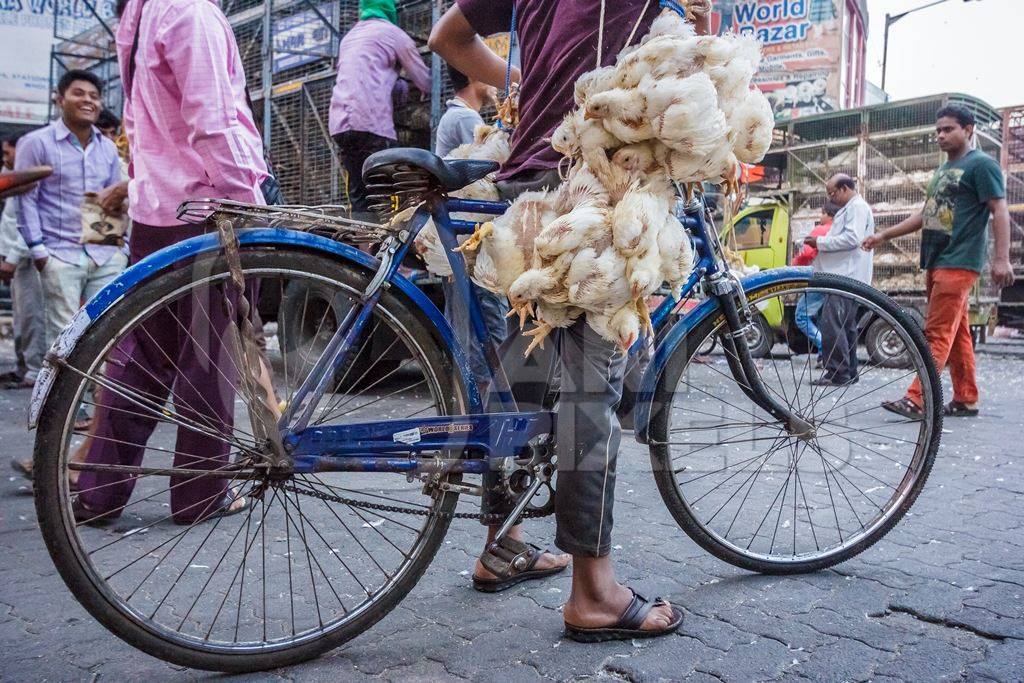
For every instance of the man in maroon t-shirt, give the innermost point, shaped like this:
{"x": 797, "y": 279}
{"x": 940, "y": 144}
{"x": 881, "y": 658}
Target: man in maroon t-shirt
{"x": 558, "y": 43}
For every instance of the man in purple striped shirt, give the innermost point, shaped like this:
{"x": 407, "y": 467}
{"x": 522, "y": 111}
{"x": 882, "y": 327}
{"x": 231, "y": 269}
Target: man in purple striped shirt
{"x": 361, "y": 118}
{"x": 50, "y": 215}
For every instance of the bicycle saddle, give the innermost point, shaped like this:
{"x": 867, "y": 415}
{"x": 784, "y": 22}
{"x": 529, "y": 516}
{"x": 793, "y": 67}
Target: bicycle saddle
{"x": 447, "y": 174}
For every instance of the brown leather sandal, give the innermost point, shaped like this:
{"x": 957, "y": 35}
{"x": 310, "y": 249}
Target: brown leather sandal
{"x": 629, "y": 625}
{"x": 512, "y": 562}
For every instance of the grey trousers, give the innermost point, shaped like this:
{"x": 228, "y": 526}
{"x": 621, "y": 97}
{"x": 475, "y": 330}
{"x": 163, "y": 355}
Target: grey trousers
{"x": 29, "y": 324}
{"x": 493, "y": 307}
{"x": 838, "y": 325}
{"x": 587, "y": 433}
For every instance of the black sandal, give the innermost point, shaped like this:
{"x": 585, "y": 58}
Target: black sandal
{"x": 959, "y": 409}
{"x": 629, "y": 624}
{"x": 224, "y": 509}
{"x": 904, "y": 407}
{"x": 512, "y": 562}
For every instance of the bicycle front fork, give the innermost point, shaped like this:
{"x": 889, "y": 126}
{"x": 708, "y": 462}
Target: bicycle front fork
{"x": 733, "y": 302}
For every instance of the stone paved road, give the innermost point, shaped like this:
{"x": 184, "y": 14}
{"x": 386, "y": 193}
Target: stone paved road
{"x": 940, "y": 598}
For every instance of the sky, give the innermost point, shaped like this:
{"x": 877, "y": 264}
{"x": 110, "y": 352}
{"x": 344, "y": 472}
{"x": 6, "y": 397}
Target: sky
{"x": 970, "y": 47}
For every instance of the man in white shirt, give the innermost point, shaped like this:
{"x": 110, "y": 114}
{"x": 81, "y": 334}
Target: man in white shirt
{"x": 839, "y": 253}
{"x": 17, "y": 270}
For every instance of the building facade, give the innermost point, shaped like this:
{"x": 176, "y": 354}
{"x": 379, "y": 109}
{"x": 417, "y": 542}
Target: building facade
{"x": 814, "y": 51}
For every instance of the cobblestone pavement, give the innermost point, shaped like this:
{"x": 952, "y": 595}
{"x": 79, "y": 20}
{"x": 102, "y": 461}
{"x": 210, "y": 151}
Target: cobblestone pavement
{"x": 940, "y": 598}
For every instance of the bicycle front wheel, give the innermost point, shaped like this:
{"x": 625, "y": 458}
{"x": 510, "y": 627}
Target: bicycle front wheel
{"x": 311, "y": 560}
{"x": 758, "y": 497}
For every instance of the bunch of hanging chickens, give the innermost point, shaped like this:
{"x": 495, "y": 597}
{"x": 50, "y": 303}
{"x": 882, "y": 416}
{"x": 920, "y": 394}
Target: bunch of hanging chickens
{"x": 676, "y": 110}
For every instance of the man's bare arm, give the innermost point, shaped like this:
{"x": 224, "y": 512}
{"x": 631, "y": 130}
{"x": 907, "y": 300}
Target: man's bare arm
{"x": 905, "y": 227}
{"x": 458, "y": 44}
{"x": 1002, "y": 271}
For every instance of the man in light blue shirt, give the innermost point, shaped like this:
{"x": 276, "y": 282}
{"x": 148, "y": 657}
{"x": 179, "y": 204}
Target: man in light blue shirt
{"x": 463, "y": 113}
{"x": 456, "y": 128}
{"x": 50, "y": 215}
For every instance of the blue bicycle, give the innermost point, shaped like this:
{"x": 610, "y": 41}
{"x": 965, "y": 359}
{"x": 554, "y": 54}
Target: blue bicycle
{"x": 273, "y": 477}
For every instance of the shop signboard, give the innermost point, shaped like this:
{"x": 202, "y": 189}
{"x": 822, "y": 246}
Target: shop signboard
{"x": 303, "y": 37}
{"x": 802, "y": 42}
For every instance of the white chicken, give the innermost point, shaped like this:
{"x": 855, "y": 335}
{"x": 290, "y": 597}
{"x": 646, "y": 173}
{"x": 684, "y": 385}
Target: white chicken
{"x": 678, "y": 108}
{"x": 544, "y": 283}
{"x": 576, "y": 136}
{"x": 506, "y": 246}
{"x": 751, "y": 124}
{"x": 693, "y": 123}
{"x": 594, "y": 82}
{"x": 490, "y": 143}
{"x": 597, "y": 281}
{"x": 638, "y": 216}
{"x": 669, "y": 23}
{"x": 676, "y": 254}
{"x": 622, "y": 113}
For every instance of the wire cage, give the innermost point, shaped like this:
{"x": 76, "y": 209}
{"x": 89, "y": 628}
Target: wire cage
{"x": 892, "y": 151}
{"x": 301, "y": 64}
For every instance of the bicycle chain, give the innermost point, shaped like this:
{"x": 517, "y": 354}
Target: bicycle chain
{"x": 494, "y": 518}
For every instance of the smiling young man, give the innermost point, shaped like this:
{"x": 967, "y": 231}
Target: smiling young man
{"x": 961, "y": 196}
{"x": 50, "y": 215}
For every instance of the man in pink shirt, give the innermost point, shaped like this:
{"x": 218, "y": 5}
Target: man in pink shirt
{"x": 361, "y": 119}
{"x": 192, "y": 136}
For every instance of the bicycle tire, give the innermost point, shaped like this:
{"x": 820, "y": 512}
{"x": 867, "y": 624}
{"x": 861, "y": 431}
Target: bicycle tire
{"x": 52, "y": 502}
{"x": 661, "y": 456}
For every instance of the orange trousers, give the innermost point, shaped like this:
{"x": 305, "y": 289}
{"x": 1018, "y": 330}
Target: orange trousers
{"x": 948, "y": 332}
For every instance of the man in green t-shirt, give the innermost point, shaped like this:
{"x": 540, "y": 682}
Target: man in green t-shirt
{"x": 954, "y": 221}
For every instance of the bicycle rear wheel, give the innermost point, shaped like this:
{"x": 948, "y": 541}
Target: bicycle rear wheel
{"x": 762, "y": 499}
{"x": 297, "y": 572}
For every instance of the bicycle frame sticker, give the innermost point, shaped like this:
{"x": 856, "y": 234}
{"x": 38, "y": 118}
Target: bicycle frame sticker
{"x": 407, "y": 436}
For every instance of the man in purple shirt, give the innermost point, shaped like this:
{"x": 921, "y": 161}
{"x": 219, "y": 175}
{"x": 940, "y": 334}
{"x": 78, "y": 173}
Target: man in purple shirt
{"x": 361, "y": 118}
{"x": 50, "y": 215}
{"x": 559, "y": 42}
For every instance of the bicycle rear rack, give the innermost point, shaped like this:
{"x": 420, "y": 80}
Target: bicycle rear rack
{"x": 330, "y": 221}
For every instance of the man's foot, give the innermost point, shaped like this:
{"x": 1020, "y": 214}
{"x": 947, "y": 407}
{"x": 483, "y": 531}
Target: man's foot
{"x": 905, "y": 408}
{"x": 17, "y": 383}
{"x": 623, "y": 615}
{"x": 540, "y": 564}
{"x": 960, "y": 409}
{"x": 24, "y": 467}
{"x": 829, "y": 381}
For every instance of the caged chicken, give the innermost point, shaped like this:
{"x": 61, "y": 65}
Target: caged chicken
{"x": 676, "y": 109}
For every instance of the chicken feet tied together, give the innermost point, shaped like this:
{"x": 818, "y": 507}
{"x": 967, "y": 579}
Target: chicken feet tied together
{"x": 646, "y": 326}
{"x": 523, "y": 309}
{"x": 480, "y": 233}
{"x": 539, "y": 332}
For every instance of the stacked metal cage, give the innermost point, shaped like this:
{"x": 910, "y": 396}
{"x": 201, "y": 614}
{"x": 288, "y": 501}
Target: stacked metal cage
{"x": 891, "y": 149}
{"x": 300, "y": 79}
{"x": 1011, "y": 305}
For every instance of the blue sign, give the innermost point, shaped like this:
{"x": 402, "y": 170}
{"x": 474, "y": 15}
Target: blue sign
{"x": 303, "y": 37}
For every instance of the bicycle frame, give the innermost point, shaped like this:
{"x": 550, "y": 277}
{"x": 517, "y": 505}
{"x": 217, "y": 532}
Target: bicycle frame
{"x": 499, "y": 431}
